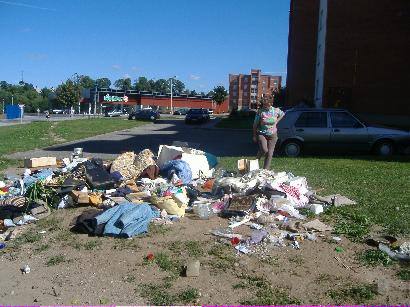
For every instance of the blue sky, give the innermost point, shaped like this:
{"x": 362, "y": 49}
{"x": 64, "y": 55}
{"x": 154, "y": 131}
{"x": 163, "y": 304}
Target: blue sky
{"x": 201, "y": 42}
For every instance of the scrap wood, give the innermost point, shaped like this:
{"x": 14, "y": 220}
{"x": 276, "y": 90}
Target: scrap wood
{"x": 344, "y": 265}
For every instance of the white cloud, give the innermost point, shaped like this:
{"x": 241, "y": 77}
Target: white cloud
{"x": 134, "y": 68}
{"x": 27, "y": 5}
{"x": 37, "y": 56}
{"x": 116, "y": 67}
{"x": 194, "y": 77}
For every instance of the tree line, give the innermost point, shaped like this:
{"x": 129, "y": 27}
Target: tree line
{"x": 68, "y": 94}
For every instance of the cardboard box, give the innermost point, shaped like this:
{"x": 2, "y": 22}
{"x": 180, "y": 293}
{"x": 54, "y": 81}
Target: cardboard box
{"x": 40, "y": 162}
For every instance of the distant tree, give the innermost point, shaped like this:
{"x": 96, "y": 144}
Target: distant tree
{"x": 178, "y": 86}
{"x": 193, "y": 93}
{"x": 161, "y": 85}
{"x": 202, "y": 94}
{"x": 220, "y": 94}
{"x": 123, "y": 84}
{"x": 142, "y": 84}
{"x": 151, "y": 85}
{"x": 86, "y": 82}
{"x": 45, "y": 92}
{"x": 210, "y": 94}
{"x": 187, "y": 92}
{"x": 103, "y": 83}
{"x": 68, "y": 94}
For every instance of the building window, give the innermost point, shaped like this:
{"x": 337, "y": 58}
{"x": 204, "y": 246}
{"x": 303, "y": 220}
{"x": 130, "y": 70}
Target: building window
{"x": 245, "y": 86}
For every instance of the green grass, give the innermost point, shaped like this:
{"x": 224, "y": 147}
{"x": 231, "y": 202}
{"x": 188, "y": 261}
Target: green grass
{"x": 42, "y": 134}
{"x": 377, "y": 185}
{"x": 192, "y": 248}
{"x": 166, "y": 263}
{"x": 375, "y": 257}
{"x": 404, "y": 274}
{"x": 357, "y": 294}
{"x": 94, "y": 244}
{"x": 160, "y": 295}
{"x": 223, "y": 257}
{"x": 235, "y": 123}
{"x": 263, "y": 292}
{"x": 55, "y": 260}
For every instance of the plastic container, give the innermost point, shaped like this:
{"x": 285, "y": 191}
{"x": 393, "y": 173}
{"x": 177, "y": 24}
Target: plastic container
{"x": 203, "y": 211}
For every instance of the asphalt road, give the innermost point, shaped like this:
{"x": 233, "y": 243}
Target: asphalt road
{"x": 220, "y": 142}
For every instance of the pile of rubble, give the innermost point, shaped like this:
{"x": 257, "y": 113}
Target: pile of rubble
{"x": 134, "y": 190}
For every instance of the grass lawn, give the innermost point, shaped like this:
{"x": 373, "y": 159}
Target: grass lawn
{"x": 380, "y": 187}
{"x": 42, "y": 134}
{"x": 236, "y": 123}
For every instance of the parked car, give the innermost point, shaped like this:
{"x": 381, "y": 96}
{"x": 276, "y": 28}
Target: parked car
{"x": 335, "y": 130}
{"x": 58, "y": 111}
{"x": 211, "y": 111}
{"x": 145, "y": 114}
{"x": 197, "y": 116}
{"x": 113, "y": 113}
{"x": 182, "y": 111}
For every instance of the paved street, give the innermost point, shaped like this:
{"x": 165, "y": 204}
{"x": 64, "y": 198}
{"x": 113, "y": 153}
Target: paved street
{"x": 221, "y": 142}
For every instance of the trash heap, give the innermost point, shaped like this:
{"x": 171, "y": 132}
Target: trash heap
{"x": 127, "y": 194}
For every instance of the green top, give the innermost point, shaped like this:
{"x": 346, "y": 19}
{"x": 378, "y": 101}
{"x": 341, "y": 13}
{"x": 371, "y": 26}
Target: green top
{"x": 267, "y": 119}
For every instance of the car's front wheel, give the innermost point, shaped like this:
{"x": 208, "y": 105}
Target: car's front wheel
{"x": 292, "y": 148}
{"x": 384, "y": 148}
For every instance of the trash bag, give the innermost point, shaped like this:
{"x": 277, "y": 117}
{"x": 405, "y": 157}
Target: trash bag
{"x": 179, "y": 168}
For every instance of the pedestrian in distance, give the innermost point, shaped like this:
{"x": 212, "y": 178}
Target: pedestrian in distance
{"x": 265, "y": 131}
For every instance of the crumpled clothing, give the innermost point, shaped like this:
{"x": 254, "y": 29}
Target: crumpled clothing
{"x": 169, "y": 205}
{"x": 41, "y": 175}
{"x": 122, "y": 192}
{"x": 126, "y": 220}
{"x": 178, "y": 167}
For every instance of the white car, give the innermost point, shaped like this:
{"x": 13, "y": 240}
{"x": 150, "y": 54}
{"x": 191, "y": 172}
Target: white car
{"x": 113, "y": 113}
{"x": 58, "y": 111}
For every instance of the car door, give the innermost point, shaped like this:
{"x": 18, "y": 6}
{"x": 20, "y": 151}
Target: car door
{"x": 312, "y": 127}
{"x": 348, "y": 134}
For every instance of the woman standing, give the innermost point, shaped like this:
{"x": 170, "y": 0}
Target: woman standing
{"x": 265, "y": 131}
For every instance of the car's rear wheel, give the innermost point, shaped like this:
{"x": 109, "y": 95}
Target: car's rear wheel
{"x": 384, "y": 148}
{"x": 292, "y": 148}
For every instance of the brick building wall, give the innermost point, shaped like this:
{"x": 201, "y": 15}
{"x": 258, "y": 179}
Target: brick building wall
{"x": 302, "y": 40}
{"x": 366, "y": 59}
{"x": 246, "y": 90}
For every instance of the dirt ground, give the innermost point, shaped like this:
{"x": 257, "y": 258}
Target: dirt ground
{"x": 74, "y": 269}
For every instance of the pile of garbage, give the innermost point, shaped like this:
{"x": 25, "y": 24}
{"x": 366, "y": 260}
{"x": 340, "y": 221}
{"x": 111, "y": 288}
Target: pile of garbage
{"x": 127, "y": 194}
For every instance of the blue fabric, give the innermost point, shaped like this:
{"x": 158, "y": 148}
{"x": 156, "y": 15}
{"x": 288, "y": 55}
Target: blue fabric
{"x": 126, "y": 220}
{"x": 180, "y": 168}
{"x": 212, "y": 160}
{"x": 41, "y": 175}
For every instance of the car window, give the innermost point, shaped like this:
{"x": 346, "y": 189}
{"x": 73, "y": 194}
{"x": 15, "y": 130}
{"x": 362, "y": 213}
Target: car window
{"x": 343, "y": 120}
{"x": 312, "y": 120}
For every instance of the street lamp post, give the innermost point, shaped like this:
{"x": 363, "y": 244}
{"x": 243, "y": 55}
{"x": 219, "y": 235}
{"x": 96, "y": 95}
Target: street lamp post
{"x": 172, "y": 112}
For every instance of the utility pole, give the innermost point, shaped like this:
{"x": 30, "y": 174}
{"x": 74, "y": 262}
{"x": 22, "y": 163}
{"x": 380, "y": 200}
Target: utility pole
{"x": 172, "y": 112}
{"x": 95, "y": 99}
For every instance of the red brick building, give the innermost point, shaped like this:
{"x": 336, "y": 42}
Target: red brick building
{"x": 112, "y": 97}
{"x": 245, "y": 90}
{"x": 352, "y": 54}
